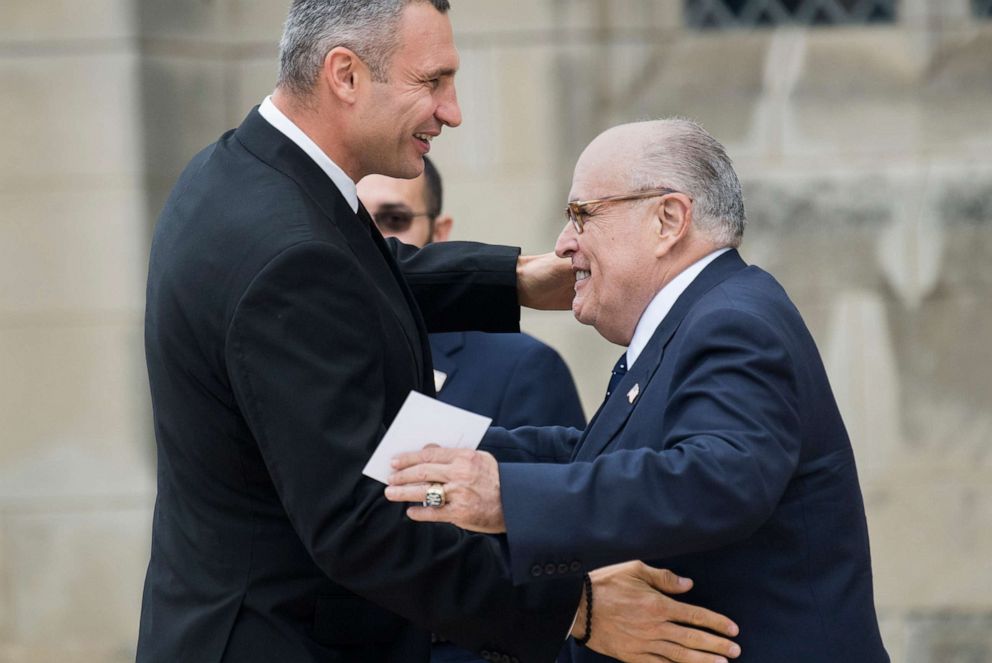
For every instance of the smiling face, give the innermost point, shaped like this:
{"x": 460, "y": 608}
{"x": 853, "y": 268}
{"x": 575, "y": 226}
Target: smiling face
{"x": 400, "y": 117}
{"x": 615, "y": 262}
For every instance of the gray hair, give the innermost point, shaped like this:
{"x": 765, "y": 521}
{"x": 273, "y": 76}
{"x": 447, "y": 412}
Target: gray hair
{"x": 687, "y": 158}
{"x": 314, "y": 27}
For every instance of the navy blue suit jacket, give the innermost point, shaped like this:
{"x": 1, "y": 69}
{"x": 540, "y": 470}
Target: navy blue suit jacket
{"x": 513, "y": 378}
{"x": 722, "y": 456}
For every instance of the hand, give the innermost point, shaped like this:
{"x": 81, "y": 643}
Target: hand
{"x": 632, "y": 620}
{"x": 471, "y": 487}
{"x": 545, "y": 282}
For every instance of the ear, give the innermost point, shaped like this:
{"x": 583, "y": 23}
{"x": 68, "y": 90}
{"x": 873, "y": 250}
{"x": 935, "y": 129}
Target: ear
{"x": 673, "y": 222}
{"x": 343, "y": 72}
{"x": 442, "y": 228}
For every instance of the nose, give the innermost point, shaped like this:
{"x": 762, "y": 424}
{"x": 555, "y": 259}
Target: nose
{"x": 448, "y": 111}
{"x": 568, "y": 241}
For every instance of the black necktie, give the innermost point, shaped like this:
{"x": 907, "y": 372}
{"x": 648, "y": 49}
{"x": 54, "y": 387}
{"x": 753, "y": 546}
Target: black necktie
{"x": 619, "y": 370}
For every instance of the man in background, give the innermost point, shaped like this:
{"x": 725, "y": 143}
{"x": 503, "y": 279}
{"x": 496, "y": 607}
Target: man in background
{"x": 512, "y": 378}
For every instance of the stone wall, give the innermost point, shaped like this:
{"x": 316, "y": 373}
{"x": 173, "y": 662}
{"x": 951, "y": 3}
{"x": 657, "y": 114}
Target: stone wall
{"x": 75, "y": 471}
{"x": 866, "y": 156}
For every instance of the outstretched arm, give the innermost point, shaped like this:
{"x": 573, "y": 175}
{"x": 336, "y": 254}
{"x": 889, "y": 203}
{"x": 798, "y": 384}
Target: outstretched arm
{"x": 531, "y": 444}
{"x": 461, "y": 286}
{"x": 710, "y": 476}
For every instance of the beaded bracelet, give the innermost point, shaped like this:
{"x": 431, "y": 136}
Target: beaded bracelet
{"x": 587, "y": 581}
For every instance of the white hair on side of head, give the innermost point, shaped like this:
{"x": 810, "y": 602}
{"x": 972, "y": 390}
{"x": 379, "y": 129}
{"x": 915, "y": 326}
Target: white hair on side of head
{"x": 680, "y": 154}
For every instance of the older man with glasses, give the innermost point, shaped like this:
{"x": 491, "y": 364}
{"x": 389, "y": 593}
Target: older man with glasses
{"x": 719, "y": 451}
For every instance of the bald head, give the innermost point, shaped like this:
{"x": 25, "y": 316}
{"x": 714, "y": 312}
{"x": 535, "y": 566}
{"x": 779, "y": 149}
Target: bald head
{"x": 674, "y": 153}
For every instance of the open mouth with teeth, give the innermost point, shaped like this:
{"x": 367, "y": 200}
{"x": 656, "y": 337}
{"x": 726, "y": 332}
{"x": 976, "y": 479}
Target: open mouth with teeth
{"x": 424, "y": 140}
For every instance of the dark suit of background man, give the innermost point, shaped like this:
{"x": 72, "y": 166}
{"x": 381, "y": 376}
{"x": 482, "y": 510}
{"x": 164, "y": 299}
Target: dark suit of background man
{"x": 512, "y": 378}
{"x": 719, "y": 452}
{"x": 281, "y": 339}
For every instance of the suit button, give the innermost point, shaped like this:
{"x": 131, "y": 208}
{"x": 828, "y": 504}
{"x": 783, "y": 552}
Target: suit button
{"x": 574, "y": 567}
{"x": 550, "y": 569}
{"x": 563, "y": 568}
{"x": 536, "y": 570}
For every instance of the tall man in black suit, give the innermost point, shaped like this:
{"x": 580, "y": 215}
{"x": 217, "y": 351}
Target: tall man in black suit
{"x": 719, "y": 451}
{"x": 281, "y": 340}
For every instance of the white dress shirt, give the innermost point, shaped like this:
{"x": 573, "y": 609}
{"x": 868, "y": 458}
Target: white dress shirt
{"x": 662, "y": 303}
{"x": 278, "y": 119}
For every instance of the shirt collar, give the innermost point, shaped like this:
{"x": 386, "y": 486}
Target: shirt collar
{"x": 278, "y": 119}
{"x": 662, "y": 303}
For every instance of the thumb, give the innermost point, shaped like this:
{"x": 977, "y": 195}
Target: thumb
{"x": 665, "y": 581}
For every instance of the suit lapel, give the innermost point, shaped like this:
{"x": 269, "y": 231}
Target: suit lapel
{"x": 271, "y": 146}
{"x": 444, "y": 347}
{"x": 613, "y": 414}
{"x": 274, "y": 148}
{"x": 408, "y": 312}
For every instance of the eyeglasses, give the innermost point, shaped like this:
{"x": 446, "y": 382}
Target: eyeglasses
{"x": 395, "y": 218}
{"x": 576, "y": 209}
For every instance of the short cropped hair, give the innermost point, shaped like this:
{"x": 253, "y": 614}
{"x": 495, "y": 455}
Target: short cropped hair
{"x": 433, "y": 191}
{"x": 314, "y": 27}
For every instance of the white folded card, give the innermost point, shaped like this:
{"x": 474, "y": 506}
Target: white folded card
{"x": 421, "y": 421}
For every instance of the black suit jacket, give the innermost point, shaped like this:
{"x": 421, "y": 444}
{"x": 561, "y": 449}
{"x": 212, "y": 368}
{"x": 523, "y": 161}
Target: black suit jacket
{"x": 281, "y": 340}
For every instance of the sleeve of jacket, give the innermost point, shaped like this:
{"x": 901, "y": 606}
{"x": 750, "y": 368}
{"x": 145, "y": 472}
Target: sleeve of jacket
{"x": 709, "y": 476}
{"x": 462, "y": 286}
{"x": 531, "y": 444}
{"x": 541, "y": 392}
{"x": 306, "y": 372}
